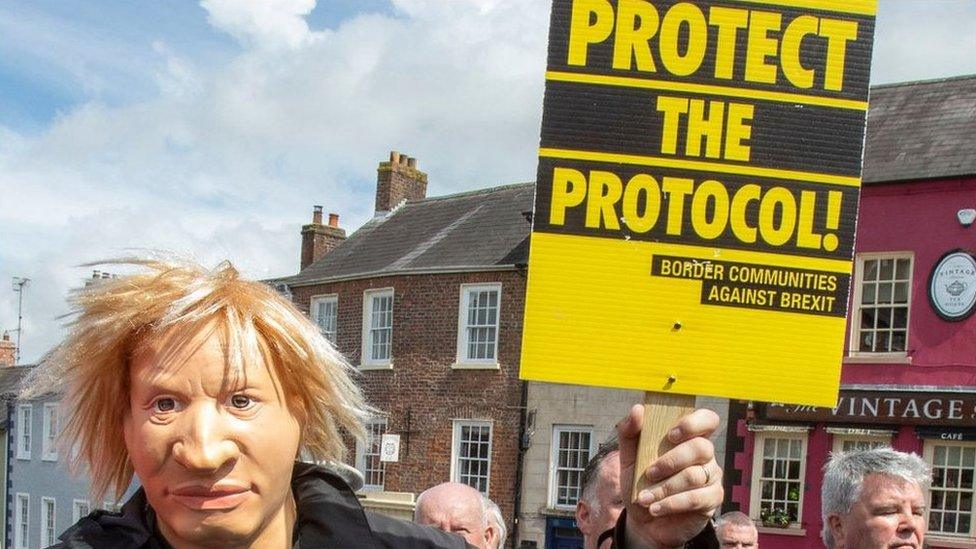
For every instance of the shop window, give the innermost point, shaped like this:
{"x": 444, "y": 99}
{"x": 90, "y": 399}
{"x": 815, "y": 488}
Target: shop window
{"x": 572, "y": 446}
{"x": 882, "y": 296}
{"x": 325, "y": 313}
{"x": 778, "y": 470}
{"x": 848, "y": 442}
{"x": 368, "y": 456}
{"x": 377, "y": 328}
{"x": 471, "y": 454}
{"x": 478, "y": 324}
{"x": 951, "y": 499}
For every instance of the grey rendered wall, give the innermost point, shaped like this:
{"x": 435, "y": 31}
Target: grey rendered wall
{"x": 39, "y": 478}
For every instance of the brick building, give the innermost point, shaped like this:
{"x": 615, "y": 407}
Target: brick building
{"x": 426, "y": 301}
{"x": 908, "y": 377}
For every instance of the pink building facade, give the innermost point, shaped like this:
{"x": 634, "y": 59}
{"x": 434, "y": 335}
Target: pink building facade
{"x": 909, "y": 373}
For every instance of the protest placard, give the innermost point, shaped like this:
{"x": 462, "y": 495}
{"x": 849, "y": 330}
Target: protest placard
{"x": 696, "y": 200}
{"x": 697, "y": 194}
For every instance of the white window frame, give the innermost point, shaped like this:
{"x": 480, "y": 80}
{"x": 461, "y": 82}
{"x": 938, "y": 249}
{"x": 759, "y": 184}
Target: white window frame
{"x": 366, "y": 361}
{"x": 874, "y": 439}
{"x": 933, "y": 537}
{"x": 49, "y": 522}
{"x": 459, "y": 425}
{"x": 22, "y": 521}
{"x": 25, "y": 418}
{"x": 554, "y": 449}
{"x": 755, "y": 505}
{"x": 854, "y": 335}
{"x": 464, "y": 301}
{"x": 361, "y": 451}
{"x": 314, "y": 315}
{"x": 49, "y": 447}
{"x": 76, "y": 513}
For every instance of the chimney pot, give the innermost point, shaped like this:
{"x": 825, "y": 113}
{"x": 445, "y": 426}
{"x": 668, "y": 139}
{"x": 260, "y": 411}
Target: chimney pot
{"x": 398, "y": 181}
{"x": 317, "y": 215}
{"x": 333, "y": 220}
{"x": 106, "y": 275}
{"x": 96, "y": 274}
{"x": 6, "y": 336}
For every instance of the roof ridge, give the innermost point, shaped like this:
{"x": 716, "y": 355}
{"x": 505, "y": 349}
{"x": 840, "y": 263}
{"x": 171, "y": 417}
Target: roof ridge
{"x": 474, "y": 192}
{"x": 924, "y": 81}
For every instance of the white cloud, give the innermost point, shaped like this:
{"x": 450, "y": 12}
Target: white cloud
{"x": 226, "y": 162}
{"x": 262, "y": 23}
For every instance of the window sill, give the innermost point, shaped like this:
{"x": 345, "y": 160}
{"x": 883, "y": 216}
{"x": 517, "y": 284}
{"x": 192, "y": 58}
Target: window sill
{"x": 878, "y": 359}
{"x": 475, "y": 366}
{"x": 24, "y": 458}
{"x": 790, "y": 531}
{"x": 366, "y": 367}
{"x": 949, "y": 543}
{"x": 560, "y": 512}
{"x": 50, "y": 458}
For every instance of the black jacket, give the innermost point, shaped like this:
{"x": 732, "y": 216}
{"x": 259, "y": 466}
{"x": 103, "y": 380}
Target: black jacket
{"x": 329, "y": 517}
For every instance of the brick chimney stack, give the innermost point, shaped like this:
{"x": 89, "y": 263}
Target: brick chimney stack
{"x": 319, "y": 239}
{"x": 8, "y": 351}
{"x": 399, "y": 180}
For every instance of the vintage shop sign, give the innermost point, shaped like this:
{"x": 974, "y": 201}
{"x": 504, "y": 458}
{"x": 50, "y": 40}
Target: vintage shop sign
{"x": 890, "y": 408}
{"x": 696, "y": 197}
{"x": 952, "y": 285}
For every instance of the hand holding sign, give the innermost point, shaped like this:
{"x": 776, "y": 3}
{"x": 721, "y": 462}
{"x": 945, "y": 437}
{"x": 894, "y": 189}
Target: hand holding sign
{"x": 684, "y": 484}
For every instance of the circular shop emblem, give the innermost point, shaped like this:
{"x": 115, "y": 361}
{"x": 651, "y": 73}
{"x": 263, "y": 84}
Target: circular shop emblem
{"x": 952, "y": 285}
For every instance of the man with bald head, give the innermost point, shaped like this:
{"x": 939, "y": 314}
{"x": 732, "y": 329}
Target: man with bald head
{"x": 459, "y": 509}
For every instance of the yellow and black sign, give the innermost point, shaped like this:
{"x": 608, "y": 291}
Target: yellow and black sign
{"x": 697, "y": 195}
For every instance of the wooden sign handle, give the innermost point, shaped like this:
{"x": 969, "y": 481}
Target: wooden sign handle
{"x": 661, "y": 412}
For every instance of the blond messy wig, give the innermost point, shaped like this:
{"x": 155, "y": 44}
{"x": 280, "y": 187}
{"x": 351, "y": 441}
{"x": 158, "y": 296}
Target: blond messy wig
{"x": 168, "y": 303}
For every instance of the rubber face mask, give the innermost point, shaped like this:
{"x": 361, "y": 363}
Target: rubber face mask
{"x": 213, "y": 448}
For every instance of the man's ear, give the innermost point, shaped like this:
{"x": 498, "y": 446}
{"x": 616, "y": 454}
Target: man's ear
{"x": 583, "y": 516}
{"x": 837, "y": 531}
{"x": 491, "y": 536}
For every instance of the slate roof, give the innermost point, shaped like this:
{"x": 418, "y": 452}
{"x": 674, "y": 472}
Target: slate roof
{"x": 10, "y": 377}
{"x": 921, "y": 130}
{"x": 478, "y": 230}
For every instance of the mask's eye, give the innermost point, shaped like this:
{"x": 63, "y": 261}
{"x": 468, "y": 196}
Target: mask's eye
{"x": 241, "y": 402}
{"x": 164, "y": 404}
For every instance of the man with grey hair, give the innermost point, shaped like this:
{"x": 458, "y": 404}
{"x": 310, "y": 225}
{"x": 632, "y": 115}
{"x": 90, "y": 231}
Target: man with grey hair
{"x": 459, "y": 509}
{"x": 496, "y": 519}
{"x": 735, "y": 530}
{"x": 600, "y": 504}
{"x": 873, "y": 499}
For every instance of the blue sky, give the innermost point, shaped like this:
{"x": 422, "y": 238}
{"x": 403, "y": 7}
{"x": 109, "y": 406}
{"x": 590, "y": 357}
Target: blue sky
{"x": 210, "y": 128}
{"x": 57, "y": 54}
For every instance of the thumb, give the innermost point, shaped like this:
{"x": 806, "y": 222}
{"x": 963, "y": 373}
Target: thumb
{"x": 628, "y": 434}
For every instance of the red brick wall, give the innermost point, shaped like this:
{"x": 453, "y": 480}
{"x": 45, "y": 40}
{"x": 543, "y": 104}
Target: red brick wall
{"x": 425, "y": 320}
{"x": 318, "y": 240}
{"x": 397, "y": 182}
